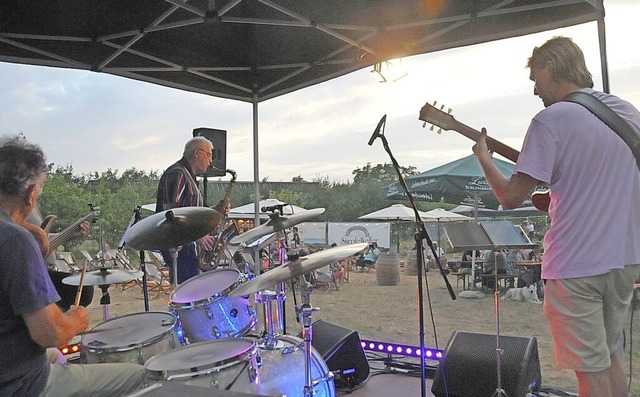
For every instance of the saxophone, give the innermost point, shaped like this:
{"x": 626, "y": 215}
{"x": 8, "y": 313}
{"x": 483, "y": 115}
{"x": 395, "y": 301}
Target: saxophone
{"x": 207, "y": 258}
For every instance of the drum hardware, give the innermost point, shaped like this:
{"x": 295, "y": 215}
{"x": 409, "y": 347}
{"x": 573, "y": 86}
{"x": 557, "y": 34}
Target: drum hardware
{"x": 269, "y": 341}
{"x": 103, "y": 278}
{"x": 305, "y": 312}
{"x": 276, "y": 223}
{"x": 170, "y": 229}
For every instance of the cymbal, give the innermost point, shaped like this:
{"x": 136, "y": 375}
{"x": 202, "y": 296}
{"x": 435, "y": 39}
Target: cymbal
{"x": 103, "y": 277}
{"x": 171, "y": 228}
{"x": 298, "y": 267}
{"x": 276, "y": 223}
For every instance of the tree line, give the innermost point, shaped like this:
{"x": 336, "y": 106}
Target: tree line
{"x": 67, "y": 195}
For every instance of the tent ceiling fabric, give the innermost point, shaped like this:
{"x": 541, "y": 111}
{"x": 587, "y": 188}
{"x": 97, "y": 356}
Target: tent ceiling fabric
{"x": 254, "y": 50}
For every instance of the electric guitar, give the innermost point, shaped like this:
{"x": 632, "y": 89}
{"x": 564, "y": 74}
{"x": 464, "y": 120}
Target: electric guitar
{"x": 432, "y": 115}
{"x": 68, "y": 234}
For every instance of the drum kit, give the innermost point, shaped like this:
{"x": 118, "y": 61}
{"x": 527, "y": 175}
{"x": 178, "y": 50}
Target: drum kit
{"x": 205, "y": 341}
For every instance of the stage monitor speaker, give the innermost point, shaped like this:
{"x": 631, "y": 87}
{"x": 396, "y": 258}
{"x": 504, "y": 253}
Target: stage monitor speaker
{"x": 219, "y": 140}
{"x": 341, "y": 350}
{"x": 468, "y": 367}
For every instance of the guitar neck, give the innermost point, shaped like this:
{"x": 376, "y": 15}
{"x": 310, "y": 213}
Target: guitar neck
{"x": 493, "y": 145}
{"x": 67, "y": 234}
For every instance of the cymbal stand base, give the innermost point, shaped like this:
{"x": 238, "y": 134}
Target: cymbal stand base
{"x": 499, "y": 352}
{"x": 304, "y": 313}
{"x": 105, "y": 300}
{"x": 269, "y": 341}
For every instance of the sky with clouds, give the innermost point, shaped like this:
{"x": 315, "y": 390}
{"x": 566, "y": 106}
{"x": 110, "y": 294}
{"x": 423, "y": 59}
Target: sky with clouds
{"x": 96, "y": 121}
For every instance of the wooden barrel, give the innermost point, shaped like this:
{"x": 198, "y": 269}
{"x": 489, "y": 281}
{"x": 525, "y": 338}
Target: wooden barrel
{"x": 411, "y": 263}
{"x": 388, "y": 269}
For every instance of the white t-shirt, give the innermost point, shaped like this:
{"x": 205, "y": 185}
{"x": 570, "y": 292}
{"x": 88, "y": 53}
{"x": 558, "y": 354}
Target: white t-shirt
{"x": 594, "y": 184}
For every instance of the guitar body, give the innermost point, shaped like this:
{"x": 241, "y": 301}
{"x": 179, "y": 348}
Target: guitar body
{"x": 59, "y": 269}
{"x": 430, "y": 114}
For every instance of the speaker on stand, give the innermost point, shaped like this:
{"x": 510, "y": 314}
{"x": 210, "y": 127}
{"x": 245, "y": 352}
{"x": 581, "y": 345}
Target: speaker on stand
{"x": 341, "y": 350}
{"x": 468, "y": 367}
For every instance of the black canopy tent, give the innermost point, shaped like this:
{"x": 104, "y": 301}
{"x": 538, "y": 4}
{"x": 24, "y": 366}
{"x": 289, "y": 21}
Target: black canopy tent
{"x": 254, "y": 50}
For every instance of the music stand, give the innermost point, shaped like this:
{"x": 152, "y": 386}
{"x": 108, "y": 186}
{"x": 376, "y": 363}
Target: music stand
{"x": 493, "y": 235}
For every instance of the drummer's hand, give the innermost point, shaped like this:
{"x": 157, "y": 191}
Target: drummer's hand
{"x": 206, "y": 242}
{"x": 80, "y": 316}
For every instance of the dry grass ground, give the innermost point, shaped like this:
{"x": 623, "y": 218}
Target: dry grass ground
{"x": 390, "y": 313}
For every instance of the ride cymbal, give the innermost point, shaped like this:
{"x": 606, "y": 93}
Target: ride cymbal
{"x": 276, "y": 223}
{"x": 171, "y": 228}
{"x": 298, "y": 267}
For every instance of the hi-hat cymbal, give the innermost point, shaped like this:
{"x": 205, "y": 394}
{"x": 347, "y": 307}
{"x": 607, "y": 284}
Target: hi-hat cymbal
{"x": 298, "y": 267}
{"x": 103, "y": 277}
{"x": 276, "y": 223}
{"x": 171, "y": 228}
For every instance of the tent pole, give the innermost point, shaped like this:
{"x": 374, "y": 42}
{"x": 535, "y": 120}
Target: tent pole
{"x": 256, "y": 174}
{"x": 603, "y": 54}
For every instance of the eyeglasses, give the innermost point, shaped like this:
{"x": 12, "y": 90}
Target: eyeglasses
{"x": 208, "y": 153}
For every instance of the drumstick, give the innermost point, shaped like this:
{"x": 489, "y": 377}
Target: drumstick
{"x": 96, "y": 330}
{"x": 79, "y": 293}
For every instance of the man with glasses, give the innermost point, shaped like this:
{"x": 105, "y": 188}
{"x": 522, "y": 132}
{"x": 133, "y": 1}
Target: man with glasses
{"x": 178, "y": 187}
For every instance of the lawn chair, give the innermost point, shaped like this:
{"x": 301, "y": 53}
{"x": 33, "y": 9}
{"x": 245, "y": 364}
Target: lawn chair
{"x": 157, "y": 273}
{"x": 324, "y": 277}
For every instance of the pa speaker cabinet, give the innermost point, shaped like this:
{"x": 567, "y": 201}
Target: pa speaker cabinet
{"x": 468, "y": 367}
{"x": 219, "y": 140}
{"x": 341, "y": 350}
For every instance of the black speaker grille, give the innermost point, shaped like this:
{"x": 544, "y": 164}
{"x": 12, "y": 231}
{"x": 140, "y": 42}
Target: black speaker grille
{"x": 469, "y": 366}
{"x": 219, "y": 140}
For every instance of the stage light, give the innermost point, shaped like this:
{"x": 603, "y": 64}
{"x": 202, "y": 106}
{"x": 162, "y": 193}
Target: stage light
{"x": 392, "y": 70}
{"x": 404, "y": 350}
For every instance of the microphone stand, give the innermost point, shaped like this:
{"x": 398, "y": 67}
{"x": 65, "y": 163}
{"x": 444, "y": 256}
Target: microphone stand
{"x": 135, "y": 218}
{"x": 421, "y": 234}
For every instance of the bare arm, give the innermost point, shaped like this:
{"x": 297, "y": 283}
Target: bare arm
{"x": 510, "y": 192}
{"x": 49, "y": 327}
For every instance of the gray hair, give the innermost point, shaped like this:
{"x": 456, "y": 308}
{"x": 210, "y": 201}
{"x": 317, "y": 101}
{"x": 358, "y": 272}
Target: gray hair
{"x": 194, "y": 144}
{"x": 21, "y": 164}
{"x": 567, "y": 59}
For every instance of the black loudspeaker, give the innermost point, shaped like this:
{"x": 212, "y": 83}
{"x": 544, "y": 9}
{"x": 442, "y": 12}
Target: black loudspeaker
{"x": 219, "y": 140}
{"x": 342, "y": 352}
{"x": 468, "y": 367}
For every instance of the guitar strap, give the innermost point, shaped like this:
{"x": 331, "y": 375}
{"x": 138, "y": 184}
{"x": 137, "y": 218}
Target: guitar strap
{"x": 610, "y": 118}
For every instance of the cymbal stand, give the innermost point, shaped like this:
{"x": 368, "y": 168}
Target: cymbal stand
{"x": 143, "y": 267}
{"x": 304, "y": 313}
{"x": 281, "y": 295}
{"x": 174, "y": 266}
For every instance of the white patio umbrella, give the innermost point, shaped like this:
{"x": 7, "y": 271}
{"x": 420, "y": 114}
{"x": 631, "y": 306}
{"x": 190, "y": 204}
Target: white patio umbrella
{"x": 247, "y": 210}
{"x": 397, "y": 212}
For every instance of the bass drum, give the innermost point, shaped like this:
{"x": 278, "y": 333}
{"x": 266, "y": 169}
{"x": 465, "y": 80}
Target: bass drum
{"x": 133, "y": 338}
{"x": 237, "y": 364}
{"x": 204, "y": 310}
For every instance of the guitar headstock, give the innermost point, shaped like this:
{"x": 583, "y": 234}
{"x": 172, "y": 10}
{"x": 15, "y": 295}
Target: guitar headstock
{"x": 437, "y": 117}
{"x": 95, "y": 213}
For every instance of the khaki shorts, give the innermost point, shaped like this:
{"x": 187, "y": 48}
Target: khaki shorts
{"x": 586, "y": 316}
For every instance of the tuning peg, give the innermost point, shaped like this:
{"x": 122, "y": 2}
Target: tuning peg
{"x": 449, "y": 111}
{"x": 431, "y": 129}
{"x": 441, "y": 107}
{"x": 439, "y": 131}
{"x": 424, "y": 124}
{"x": 435, "y": 103}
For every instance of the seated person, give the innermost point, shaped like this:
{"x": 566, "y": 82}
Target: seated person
{"x": 431, "y": 262}
{"x": 492, "y": 259}
{"x": 369, "y": 258}
{"x": 338, "y": 272}
{"x": 467, "y": 260}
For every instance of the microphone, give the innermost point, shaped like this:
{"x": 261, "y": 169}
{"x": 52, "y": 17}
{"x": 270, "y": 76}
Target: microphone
{"x": 376, "y": 132}
{"x": 271, "y": 208}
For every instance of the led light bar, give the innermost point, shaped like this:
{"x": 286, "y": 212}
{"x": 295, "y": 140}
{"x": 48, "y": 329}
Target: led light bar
{"x": 403, "y": 350}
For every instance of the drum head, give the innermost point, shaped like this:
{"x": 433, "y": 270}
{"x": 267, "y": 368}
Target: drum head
{"x": 205, "y": 286}
{"x": 200, "y": 356}
{"x": 129, "y": 331}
